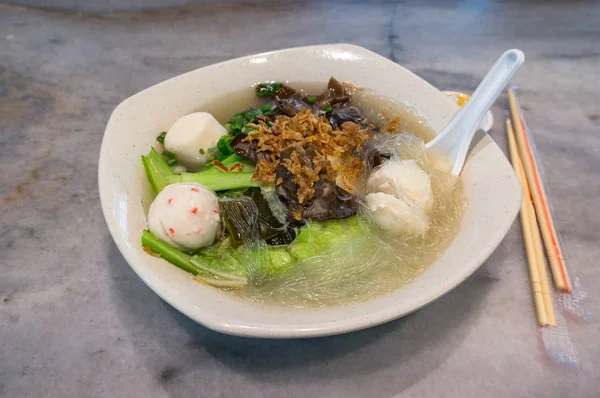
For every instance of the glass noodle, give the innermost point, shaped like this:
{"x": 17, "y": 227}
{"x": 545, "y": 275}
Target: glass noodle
{"x": 369, "y": 263}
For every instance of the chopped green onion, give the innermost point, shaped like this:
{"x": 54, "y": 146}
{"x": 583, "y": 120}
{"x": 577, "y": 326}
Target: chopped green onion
{"x": 161, "y": 137}
{"x": 238, "y": 121}
{"x": 252, "y": 115}
{"x": 265, "y": 108}
{"x": 171, "y": 162}
{"x": 168, "y": 155}
{"x": 247, "y": 129}
{"x": 328, "y": 108}
{"x": 202, "y": 151}
{"x": 267, "y": 89}
{"x": 224, "y": 146}
{"x": 312, "y": 100}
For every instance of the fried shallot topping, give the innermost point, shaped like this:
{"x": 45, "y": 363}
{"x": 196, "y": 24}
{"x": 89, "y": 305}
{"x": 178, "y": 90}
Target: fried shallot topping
{"x": 319, "y": 151}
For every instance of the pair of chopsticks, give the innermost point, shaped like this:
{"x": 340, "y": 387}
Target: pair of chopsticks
{"x": 535, "y": 211}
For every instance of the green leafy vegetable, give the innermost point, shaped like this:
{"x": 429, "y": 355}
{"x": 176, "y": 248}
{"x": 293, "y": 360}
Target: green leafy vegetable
{"x": 279, "y": 259}
{"x": 316, "y": 238}
{"x": 224, "y": 265}
{"x": 328, "y": 108}
{"x": 220, "y": 259}
{"x": 247, "y": 129}
{"x": 311, "y": 100}
{"x": 223, "y": 145}
{"x": 267, "y": 89}
{"x": 265, "y": 108}
{"x": 172, "y": 162}
{"x": 168, "y": 155}
{"x": 215, "y": 154}
{"x": 235, "y": 124}
{"x": 232, "y": 193}
{"x": 214, "y": 270}
{"x": 252, "y": 115}
{"x": 202, "y": 151}
{"x": 161, "y": 137}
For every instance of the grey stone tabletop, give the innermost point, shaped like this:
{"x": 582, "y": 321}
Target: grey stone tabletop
{"x": 77, "y": 322}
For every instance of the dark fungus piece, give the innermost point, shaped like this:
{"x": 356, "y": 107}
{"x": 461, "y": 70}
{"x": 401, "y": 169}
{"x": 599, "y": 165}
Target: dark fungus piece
{"x": 334, "y": 94}
{"x": 377, "y": 158}
{"x": 290, "y": 106}
{"x": 335, "y": 87}
{"x": 330, "y": 201}
{"x": 375, "y": 153}
{"x": 285, "y": 91}
{"x": 248, "y": 149}
{"x": 286, "y": 189}
{"x": 341, "y": 115}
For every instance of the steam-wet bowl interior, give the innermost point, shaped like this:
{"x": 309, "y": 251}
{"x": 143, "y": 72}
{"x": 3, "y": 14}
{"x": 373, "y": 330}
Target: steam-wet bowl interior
{"x": 492, "y": 191}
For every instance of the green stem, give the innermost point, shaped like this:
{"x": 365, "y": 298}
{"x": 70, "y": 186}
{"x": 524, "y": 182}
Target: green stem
{"x": 169, "y": 253}
{"x": 160, "y": 174}
{"x": 216, "y": 179}
{"x": 157, "y": 170}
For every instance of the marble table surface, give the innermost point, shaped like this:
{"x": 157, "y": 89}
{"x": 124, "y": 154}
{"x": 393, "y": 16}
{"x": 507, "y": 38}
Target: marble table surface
{"x": 77, "y": 322}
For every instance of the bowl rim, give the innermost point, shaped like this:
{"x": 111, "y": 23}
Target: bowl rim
{"x": 332, "y": 327}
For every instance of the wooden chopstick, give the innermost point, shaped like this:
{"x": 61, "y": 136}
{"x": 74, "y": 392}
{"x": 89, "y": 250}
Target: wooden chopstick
{"x": 533, "y": 243}
{"x": 536, "y": 286}
{"x": 539, "y": 255}
{"x": 540, "y": 199}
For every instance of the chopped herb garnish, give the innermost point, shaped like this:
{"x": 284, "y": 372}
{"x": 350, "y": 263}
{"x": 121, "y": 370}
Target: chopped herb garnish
{"x": 312, "y": 100}
{"x": 252, "y": 115}
{"x": 223, "y": 145}
{"x": 235, "y": 124}
{"x": 171, "y": 162}
{"x": 265, "y": 108}
{"x": 161, "y": 137}
{"x": 267, "y": 89}
{"x": 213, "y": 153}
{"x": 202, "y": 151}
{"x": 246, "y": 129}
{"x": 238, "y": 121}
{"x": 169, "y": 155}
{"x": 328, "y": 108}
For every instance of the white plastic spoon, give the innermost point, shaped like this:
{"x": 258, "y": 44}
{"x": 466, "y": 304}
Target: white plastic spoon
{"x": 453, "y": 142}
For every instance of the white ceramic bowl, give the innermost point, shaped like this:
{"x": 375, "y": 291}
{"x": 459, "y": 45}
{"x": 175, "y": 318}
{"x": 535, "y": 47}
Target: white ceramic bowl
{"x": 491, "y": 188}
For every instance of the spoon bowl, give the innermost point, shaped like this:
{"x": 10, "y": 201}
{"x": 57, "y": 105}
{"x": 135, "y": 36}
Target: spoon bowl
{"x": 449, "y": 148}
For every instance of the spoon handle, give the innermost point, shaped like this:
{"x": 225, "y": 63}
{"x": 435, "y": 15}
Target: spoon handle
{"x": 454, "y": 141}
